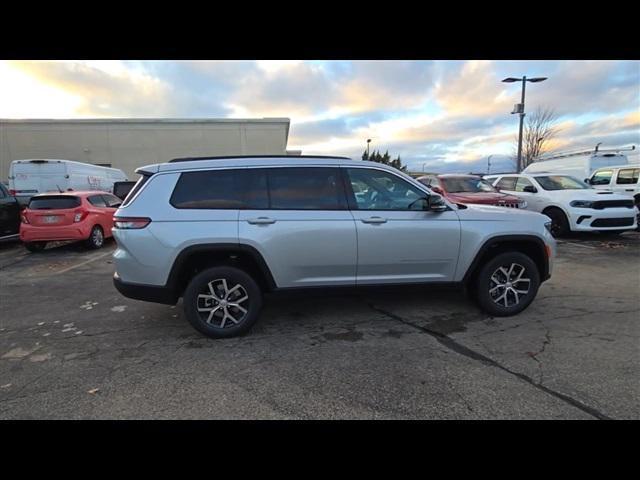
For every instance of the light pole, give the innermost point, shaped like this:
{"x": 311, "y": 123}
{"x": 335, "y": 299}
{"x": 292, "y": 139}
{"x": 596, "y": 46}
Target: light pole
{"x": 519, "y": 108}
{"x": 489, "y": 163}
{"x": 368, "y": 142}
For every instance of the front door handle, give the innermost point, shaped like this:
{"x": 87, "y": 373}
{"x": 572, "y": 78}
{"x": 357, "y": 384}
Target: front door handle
{"x": 261, "y": 221}
{"x": 374, "y": 220}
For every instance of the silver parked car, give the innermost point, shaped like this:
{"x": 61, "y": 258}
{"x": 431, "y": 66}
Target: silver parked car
{"x": 219, "y": 232}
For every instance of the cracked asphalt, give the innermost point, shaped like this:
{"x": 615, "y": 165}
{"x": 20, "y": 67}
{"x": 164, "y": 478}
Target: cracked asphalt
{"x": 72, "y": 348}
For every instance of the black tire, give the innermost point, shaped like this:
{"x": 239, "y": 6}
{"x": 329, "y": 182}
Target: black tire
{"x": 221, "y": 325}
{"x": 35, "y": 246}
{"x": 484, "y": 284}
{"x": 96, "y": 238}
{"x": 559, "y": 222}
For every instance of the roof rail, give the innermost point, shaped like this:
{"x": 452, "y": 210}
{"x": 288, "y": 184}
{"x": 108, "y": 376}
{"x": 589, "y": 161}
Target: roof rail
{"x": 227, "y": 157}
{"x": 574, "y": 153}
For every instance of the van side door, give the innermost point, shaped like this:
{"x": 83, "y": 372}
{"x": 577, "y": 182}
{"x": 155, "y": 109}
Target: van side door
{"x": 9, "y": 213}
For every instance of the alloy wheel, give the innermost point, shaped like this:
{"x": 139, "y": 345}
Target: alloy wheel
{"x": 509, "y": 285}
{"x": 223, "y": 305}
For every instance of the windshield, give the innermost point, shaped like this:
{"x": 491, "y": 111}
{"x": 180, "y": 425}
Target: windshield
{"x": 466, "y": 185}
{"x": 561, "y": 182}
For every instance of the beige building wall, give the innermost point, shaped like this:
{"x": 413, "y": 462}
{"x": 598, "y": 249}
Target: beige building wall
{"x": 130, "y": 143}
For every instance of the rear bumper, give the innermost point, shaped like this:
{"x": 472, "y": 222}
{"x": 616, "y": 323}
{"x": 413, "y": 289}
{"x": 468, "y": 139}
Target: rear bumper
{"x": 31, "y": 233}
{"x": 147, "y": 293}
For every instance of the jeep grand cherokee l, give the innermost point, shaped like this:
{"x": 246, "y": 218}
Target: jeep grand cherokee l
{"x": 219, "y": 232}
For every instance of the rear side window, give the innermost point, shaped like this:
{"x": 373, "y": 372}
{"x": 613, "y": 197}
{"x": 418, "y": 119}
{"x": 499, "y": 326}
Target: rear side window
{"x": 213, "y": 189}
{"x": 54, "y": 202}
{"x": 507, "y": 183}
{"x": 139, "y": 184}
{"x": 628, "y": 176}
{"x": 112, "y": 201}
{"x": 306, "y": 188}
{"x": 97, "y": 201}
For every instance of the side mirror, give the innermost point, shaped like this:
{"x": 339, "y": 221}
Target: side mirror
{"x": 530, "y": 189}
{"x": 435, "y": 203}
{"x": 587, "y": 181}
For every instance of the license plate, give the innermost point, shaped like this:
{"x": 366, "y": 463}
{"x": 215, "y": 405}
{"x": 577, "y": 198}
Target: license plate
{"x": 51, "y": 219}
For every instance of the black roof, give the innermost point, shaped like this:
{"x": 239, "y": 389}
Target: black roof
{"x": 227, "y": 157}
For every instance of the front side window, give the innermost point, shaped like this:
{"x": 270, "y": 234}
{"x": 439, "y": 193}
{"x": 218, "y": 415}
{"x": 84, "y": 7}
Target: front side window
{"x": 602, "y": 177}
{"x": 521, "y": 183}
{"x": 112, "y": 201}
{"x": 561, "y": 182}
{"x": 628, "y": 176}
{"x": 507, "y": 183}
{"x": 379, "y": 190}
{"x": 305, "y": 188}
{"x": 466, "y": 185}
{"x": 97, "y": 201}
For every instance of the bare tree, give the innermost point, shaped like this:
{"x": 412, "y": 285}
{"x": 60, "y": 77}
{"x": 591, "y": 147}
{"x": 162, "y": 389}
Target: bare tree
{"x": 540, "y": 128}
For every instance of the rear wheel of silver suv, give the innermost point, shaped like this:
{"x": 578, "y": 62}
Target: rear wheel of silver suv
{"x": 222, "y": 302}
{"x": 507, "y": 284}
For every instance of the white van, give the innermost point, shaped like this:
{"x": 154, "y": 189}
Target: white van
{"x": 579, "y": 164}
{"x": 33, "y": 176}
{"x": 622, "y": 179}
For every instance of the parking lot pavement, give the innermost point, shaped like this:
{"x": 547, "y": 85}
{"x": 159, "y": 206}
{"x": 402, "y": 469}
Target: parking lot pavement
{"x": 72, "y": 347}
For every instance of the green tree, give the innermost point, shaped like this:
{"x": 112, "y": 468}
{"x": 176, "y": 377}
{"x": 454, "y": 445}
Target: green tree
{"x": 386, "y": 159}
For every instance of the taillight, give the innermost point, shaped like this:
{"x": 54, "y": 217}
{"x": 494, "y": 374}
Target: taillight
{"x": 79, "y": 216}
{"x": 12, "y": 193}
{"x": 130, "y": 223}
{"x": 23, "y": 217}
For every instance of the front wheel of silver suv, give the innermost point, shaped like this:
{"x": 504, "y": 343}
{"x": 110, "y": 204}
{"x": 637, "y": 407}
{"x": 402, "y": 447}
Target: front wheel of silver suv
{"x": 507, "y": 284}
{"x": 222, "y": 302}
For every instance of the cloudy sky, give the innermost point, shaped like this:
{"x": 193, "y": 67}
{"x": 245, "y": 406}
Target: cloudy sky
{"x": 438, "y": 115}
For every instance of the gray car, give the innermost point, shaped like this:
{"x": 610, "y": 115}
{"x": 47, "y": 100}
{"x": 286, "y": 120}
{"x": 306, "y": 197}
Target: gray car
{"x": 220, "y": 232}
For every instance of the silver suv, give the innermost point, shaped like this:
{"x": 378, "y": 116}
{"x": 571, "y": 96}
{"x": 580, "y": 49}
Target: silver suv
{"x": 219, "y": 232}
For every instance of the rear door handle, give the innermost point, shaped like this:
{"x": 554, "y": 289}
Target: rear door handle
{"x": 374, "y": 220}
{"x": 261, "y": 221}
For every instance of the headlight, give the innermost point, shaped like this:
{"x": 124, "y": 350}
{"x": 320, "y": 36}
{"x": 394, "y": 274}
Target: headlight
{"x": 522, "y": 204}
{"x": 547, "y": 225}
{"x": 581, "y": 204}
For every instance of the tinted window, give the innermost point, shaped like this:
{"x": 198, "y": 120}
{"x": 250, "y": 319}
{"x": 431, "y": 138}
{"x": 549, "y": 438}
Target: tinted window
{"x": 112, "y": 201}
{"x": 97, "y": 201}
{"x": 380, "y": 190}
{"x": 141, "y": 181}
{"x": 466, "y": 185}
{"x": 628, "y": 176}
{"x": 561, "y": 182}
{"x": 521, "y": 183}
{"x": 507, "y": 183}
{"x": 254, "y": 186}
{"x": 306, "y": 188}
{"x": 602, "y": 177}
{"x": 213, "y": 189}
{"x": 2, "y": 193}
{"x": 54, "y": 202}
{"x": 122, "y": 189}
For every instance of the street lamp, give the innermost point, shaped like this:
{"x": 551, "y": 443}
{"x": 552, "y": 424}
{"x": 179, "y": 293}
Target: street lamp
{"x": 519, "y": 108}
{"x": 368, "y": 142}
{"x": 489, "y": 164}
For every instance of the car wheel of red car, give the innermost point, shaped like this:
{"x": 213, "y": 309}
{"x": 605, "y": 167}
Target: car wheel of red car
{"x": 35, "y": 246}
{"x": 96, "y": 238}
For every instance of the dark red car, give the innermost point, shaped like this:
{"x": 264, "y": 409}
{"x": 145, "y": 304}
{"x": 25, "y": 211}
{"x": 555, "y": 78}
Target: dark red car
{"x": 470, "y": 189}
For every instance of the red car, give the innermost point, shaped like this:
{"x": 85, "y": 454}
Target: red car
{"x": 70, "y": 215}
{"x": 470, "y": 189}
